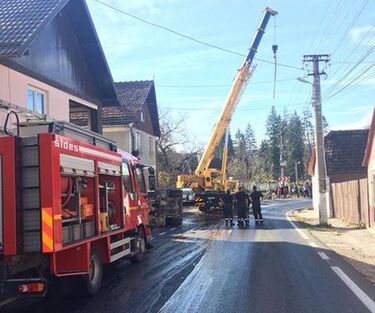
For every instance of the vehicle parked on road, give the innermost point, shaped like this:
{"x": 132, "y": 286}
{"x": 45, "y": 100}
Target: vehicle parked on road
{"x": 188, "y": 196}
{"x": 69, "y": 203}
{"x": 166, "y": 207}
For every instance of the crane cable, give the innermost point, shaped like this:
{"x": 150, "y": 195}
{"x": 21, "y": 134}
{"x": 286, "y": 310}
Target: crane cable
{"x": 274, "y": 49}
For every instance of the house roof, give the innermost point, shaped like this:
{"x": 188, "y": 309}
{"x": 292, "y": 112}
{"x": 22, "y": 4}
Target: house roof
{"x": 370, "y": 140}
{"x": 344, "y": 151}
{"x": 132, "y": 98}
{"x": 132, "y": 95}
{"x": 21, "y": 20}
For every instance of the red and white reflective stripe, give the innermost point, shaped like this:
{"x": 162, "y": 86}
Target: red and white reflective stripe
{"x": 100, "y": 154}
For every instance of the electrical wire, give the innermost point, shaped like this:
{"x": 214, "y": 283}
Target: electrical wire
{"x": 222, "y": 85}
{"x": 201, "y": 42}
{"x": 349, "y": 28}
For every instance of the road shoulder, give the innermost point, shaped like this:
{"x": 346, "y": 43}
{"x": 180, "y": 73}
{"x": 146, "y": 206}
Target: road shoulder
{"x": 356, "y": 245}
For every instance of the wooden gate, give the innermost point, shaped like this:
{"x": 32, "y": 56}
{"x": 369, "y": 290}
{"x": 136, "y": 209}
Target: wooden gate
{"x": 350, "y": 201}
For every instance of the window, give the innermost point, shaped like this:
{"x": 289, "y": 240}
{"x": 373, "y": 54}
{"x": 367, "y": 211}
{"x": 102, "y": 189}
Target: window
{"x": 151, "y": 145}
{"x": 36, "y": 100}
{"x": 140, "y": 179}
{"x": 142, "y": 115}
{"x": 138, "y": 142}
{"x": 126, "y": 179}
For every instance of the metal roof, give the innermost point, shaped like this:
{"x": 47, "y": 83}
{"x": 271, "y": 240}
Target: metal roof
{"x": 21, "y": 20}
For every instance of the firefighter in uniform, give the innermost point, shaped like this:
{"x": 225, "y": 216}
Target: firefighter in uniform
{"x": 255, "y": 199}
{"x": 227, "y": 200}
{"x": 243, "y": 202}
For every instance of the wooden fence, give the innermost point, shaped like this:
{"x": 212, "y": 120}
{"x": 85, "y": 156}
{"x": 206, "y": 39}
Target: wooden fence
{"x": 350, "y": 202}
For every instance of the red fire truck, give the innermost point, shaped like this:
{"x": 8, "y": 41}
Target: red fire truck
{"x": 70, "y": 202}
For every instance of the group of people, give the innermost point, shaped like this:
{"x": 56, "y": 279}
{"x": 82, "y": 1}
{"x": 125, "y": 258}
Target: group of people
{"x": 241, "y": 200}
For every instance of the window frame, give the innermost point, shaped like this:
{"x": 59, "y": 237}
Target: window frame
{"x": 37, "y": 91}
{"x": 130, "y": 181}
{"x": 141, "y": 183}
{"x": 138, "y": 140}
{"x": 151, "y": 145}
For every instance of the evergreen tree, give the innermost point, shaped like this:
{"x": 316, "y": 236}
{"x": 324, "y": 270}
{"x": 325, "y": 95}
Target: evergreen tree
{"x": 240, "y": 146}
{"x": 251, "y": 144}
{"x": 294, "y": 145}
{"x": 230, "y": 146}
{"x": 274, "y": 128}
{"x": 251, "y": 151}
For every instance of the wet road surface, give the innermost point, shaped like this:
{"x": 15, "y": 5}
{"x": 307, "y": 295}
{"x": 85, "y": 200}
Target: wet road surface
{"x": 143, "y": 287}
{"x": 271, "y": 268}
{"x": 202, "y": 266}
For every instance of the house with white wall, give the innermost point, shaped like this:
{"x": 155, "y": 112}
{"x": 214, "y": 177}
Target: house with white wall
{"x": 51, "y": 60}
{"x": 134, "y": 125}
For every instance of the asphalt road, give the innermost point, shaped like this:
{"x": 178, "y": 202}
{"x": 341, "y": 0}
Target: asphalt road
{"x": 143, "y": 287}
{"x": 202, "y": 266}
{"x": 271, "y": 268}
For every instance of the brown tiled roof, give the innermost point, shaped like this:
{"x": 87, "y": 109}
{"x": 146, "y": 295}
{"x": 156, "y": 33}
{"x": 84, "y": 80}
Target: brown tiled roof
{"x": 21, "y": 20}
{"x": 132, "y": 95}
{"x": 111, "y": 115}
{"x": 344, "y": 150}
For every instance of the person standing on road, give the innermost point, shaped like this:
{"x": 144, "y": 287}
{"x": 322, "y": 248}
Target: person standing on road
{"x": 255, "y": 199}
{"x": 227, "y": 200}
{"x": 243, "y": 202}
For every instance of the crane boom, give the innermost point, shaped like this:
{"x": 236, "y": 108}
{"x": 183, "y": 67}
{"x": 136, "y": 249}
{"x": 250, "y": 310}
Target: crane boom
{"x": 242, "y": 76}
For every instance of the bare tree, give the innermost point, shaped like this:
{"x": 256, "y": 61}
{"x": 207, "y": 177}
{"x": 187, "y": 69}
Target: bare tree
{"x": 174, "y": 136}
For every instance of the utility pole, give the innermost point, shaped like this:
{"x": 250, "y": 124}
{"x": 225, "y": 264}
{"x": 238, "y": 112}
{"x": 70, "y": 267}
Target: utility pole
{"x": 296, "y": 170}
{"x": 282, "y": 162}
{"x": 315, "y": 59}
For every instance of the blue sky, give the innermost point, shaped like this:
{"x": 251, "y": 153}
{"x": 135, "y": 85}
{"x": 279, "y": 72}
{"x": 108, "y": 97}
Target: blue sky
{"x": 137, "y": 51}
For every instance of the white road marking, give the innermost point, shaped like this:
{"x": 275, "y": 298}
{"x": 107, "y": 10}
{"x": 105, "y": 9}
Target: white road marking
{"x": 323, "y": 255}
{"x": 229, "y": 231}
{"x": 6, "y": 301}
{"x": 313, "y": 244}
{"x": 163, "y": 233}
{"x": 361, "y": 295}
{"x": 173, "y": 228}
{"x": 303, "y": 235}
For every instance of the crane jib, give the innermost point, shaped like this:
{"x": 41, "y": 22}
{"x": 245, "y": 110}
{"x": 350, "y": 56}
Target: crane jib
{"x": 259, "y": 34}
{"x": 239, "y": 82}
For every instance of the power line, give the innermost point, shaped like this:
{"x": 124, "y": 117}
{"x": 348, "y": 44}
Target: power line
{"x": 351, "y": 82}
{"x": 348, "y": 29}
{"x": 222, "y": 85}
{"x": 201, "y": 42}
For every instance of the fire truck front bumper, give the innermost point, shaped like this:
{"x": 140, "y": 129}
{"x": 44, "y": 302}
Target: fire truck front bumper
{"x": 26, "y": 287}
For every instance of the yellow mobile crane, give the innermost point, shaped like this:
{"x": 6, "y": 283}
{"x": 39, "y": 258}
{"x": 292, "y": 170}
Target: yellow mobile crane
{"x": 212, "y": 182}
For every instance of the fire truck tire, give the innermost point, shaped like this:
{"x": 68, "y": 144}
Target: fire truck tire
{"x": 141, "y": 246}
{"x": 160, "y": 221}
{"x": 174, "y": 221}
{"x": 93, "y": 280}
{"x": 175, "y": 193}
{"x": 203, "y": 208}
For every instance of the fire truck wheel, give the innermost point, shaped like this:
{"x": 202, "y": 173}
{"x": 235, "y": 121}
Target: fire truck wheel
{"x": 141, "y": 246}
{"x": 93, "y": 280}
{"x": 202, "y": 208}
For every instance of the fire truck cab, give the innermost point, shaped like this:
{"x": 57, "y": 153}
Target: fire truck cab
{"x": 69, "y": 203}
